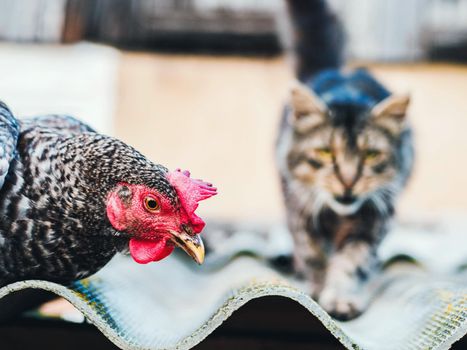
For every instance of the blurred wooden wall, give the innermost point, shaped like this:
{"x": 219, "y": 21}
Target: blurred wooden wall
{"x": 174, "y": 25}
{"x": 37, "y": 20}
{"x": 378, "y": 30}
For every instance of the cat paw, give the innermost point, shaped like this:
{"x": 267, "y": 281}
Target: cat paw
{"x": 341, "y": 307}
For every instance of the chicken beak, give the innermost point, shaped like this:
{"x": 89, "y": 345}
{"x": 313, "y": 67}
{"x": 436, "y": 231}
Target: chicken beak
{"x": 191, "y": 244}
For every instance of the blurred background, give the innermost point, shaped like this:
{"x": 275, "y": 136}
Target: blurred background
{"x": 199, "y": 84}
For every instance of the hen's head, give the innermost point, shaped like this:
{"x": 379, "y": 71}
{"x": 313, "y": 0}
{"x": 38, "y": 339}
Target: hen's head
{"x": 161, "y": 216}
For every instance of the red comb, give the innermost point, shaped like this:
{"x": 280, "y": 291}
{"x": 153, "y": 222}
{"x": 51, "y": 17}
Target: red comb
{"x": 190, "y": 191}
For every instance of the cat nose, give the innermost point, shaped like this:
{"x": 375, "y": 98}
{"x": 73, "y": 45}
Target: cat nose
{"x": 348, "y": 177}
{"x": 347, "y": 181}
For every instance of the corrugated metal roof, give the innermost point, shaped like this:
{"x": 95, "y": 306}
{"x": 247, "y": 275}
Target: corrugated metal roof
{"x": 175, "y": 304}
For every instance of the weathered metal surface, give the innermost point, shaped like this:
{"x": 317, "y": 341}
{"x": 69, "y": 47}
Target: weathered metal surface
{"x": 175, "y": 305}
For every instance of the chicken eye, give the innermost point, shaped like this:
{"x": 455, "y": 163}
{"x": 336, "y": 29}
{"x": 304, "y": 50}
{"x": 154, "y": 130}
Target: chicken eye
{"x": 151, "y": 204}
{"x": 371, "y": 154}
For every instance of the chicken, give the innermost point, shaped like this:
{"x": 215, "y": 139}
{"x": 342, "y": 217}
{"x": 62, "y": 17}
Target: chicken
{"x": 71, "y": 198}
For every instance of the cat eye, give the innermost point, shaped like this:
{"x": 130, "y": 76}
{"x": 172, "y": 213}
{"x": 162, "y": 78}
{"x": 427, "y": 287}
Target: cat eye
{"x": 150, "y": 204}
{"x": 324, "y": 152}
{"x": 314, "y": 163}
{"x": 371, "y": 154}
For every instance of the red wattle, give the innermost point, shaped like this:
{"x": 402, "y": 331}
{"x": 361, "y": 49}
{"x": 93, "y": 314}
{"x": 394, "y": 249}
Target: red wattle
{"x": 145, "y": 251}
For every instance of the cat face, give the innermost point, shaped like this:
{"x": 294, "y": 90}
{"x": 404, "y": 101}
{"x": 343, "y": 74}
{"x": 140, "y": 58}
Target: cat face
{"x": 346, "y": 154}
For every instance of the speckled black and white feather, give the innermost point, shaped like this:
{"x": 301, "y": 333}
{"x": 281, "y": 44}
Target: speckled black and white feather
{"x": 8, "y": 137}
{"x": 55, "y": 174}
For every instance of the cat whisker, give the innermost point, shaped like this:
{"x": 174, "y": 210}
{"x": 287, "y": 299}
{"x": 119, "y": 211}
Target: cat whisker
{"x": 379, "y": 203}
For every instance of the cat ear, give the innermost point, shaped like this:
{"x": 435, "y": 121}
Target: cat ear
{"x": 391, "y": 112}
{"x": 308, "y": 110}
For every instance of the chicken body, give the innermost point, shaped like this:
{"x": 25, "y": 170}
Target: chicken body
{"x": 56, "y": 176}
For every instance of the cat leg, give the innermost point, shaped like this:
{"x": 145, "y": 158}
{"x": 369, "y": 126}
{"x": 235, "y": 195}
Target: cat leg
{"x": 314, "y": 274}
{"x": 309, "y": 262}
{"x": 343, "y": 295}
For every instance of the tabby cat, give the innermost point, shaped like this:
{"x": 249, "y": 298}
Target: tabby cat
{"x": 344, "y": 154}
